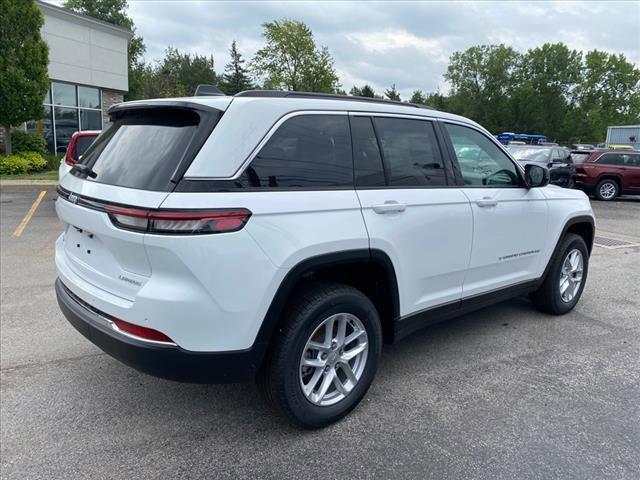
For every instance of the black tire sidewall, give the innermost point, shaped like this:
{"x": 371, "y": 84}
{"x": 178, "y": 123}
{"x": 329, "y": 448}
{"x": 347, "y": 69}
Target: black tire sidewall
{"x": 306, "y": 413}
{"x": 572, "y": 242}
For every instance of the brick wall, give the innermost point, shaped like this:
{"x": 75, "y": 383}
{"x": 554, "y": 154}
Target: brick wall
{"x": 109, "y": 97}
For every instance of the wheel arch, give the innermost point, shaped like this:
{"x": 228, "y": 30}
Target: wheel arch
{"x": 583, "y": 226}
{"x": 339, "y": 266}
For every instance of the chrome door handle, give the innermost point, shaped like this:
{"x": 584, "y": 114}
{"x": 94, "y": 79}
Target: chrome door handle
{"x": 390, "y": 206}
{"x": 487, "y": 202}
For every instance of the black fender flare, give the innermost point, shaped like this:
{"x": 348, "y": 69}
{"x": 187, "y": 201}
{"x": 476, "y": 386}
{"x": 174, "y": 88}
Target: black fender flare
{"x": 307, "y": 266}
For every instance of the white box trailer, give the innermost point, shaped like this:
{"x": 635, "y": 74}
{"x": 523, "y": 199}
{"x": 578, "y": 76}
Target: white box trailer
{"x": 624, "y": 135}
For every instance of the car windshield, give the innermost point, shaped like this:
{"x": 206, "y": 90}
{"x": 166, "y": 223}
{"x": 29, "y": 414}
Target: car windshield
{"x": 529, "y": 153}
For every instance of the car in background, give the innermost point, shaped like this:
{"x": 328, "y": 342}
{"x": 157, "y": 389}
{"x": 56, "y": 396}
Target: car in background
{"x": 79, "y": 143}
{"x": 558, "y": 160}
{"x": 582, "y": 146}
{"x": 621, "y": 147}
{"x": 609, "y": 173}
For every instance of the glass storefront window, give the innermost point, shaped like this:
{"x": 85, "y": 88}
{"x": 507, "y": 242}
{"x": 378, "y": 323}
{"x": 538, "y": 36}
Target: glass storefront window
{"x": 64, "y": 94}
{"x": 88, "y": 97}
{"x": 90, "y": 119}
{"x": 66, "y": 125}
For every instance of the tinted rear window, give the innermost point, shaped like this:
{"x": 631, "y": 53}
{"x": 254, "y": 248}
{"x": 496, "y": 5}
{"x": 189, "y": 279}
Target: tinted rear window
{"x": 143, "y": 149}
{"x": 82, "y": 144}
{"x": 306, "y": 151}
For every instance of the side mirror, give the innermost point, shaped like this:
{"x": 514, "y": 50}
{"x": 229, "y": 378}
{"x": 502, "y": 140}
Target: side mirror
{"x": 535, "y": 175}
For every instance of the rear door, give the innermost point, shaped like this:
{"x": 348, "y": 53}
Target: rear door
{"x": 134, "y": 166}
{"x": 509, "y": 220}
{"x": 412, "y": 208}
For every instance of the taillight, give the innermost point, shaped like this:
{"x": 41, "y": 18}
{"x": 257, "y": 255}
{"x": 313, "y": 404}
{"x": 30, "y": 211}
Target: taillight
{"x": 170, "y": 222}
{"x": 143, "y": 333}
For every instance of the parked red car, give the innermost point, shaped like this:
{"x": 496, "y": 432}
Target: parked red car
{"x": 78, "y": 144}
{"x": 608, "y": 173}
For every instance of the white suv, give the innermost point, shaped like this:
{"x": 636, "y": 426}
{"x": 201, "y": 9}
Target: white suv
{"x": 286, "y": 236}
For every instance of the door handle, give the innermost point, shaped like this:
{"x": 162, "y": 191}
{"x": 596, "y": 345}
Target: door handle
{"x": 487, "y": 202}
{"x": 390, "y": 206}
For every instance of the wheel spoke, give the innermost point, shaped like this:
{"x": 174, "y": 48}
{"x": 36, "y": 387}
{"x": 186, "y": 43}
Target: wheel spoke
{"x": 346, "y": 368}
{"x": 311, "y": 385}
{"x": 313, "y": 362}
{"x": 354, "y": 352}
{"x": 355, "y": 335}
{"x": 328, "y": 330}
{"x": 564, "y": 286}
{"x": 327, "y": 380}
{"x": 339, "y": 386}
{"x": 318, "y": 346}
{"x": 342, "y": 329}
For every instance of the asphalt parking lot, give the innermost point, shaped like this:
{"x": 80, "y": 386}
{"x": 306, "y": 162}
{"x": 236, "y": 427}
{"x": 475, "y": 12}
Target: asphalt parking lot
{"x": 505, "y": 392}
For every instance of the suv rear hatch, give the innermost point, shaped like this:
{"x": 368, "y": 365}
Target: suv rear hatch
{"x": 105, "y": 204}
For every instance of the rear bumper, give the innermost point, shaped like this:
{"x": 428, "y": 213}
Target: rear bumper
{"x": 164, "y": 361}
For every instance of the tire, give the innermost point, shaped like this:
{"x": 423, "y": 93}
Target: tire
{"x": 607, "y": 190}
{"x": 308, "y": 315}
{"x": 549, "y": 298}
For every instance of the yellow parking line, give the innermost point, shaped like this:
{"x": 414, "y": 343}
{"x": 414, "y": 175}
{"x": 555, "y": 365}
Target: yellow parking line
{"x": 29, "y": 214}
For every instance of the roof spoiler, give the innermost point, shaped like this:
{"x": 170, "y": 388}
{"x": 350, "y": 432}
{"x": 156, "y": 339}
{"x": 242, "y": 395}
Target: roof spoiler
{"x": 204, "y": 90}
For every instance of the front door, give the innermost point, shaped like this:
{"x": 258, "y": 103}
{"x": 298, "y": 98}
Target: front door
{"x": 509, "y": 220}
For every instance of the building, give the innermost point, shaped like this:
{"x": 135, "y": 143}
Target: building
{"x": 624, "y": 135}
{"x": 88, "y": 73}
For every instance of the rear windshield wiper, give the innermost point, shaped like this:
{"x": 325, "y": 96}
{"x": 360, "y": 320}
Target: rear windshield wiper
{"x": 84, "y": 170}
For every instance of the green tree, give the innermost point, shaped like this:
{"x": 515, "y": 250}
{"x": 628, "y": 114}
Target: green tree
{"x": 608, "y": 94}
{"x": 392, "y": 93}
{"x": 355, "y": 91}
{"x": 418, "y": 98}
{"x": 482, "y": 82}
{"x": 178, "y": 74}
{"x": 367, "y": 91}
{"x": 291, "y": 61}
{"x": 115, "y": 11}
{"x": 23, "y": 65}
{"x": 236, "y": 76}
{"x": 545, "y": 79}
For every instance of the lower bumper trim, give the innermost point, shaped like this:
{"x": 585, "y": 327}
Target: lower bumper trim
{"x": 164, "y": 361}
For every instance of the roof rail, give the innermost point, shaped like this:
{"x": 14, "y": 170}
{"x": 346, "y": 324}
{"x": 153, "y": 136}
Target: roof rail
{"x": 325, "y": 96}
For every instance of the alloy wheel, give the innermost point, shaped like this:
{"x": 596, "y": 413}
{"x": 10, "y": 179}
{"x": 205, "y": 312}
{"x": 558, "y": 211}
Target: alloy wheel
{"x": 334, "y": 359}
{"x": 607, "y": 190}
{"x": 571, "y": 275}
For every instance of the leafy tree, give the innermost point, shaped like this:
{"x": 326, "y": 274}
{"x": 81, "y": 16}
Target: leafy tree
{"x": 418, "y": 98}
{"x": 291, "y": 61}
{"x": 236, "y": 76}
{"x": 115, "y": 11}
{"x": 367, "y": 91}
{"x": 355, "y": 91}
{"x": 482, "y": 82}
{"x": 608, "y": 94}
{"x": 392, "y": 93}
{"x": 179, "y": 74}
{"x": 23, "y": 65}
{"x": 545, "y": 78}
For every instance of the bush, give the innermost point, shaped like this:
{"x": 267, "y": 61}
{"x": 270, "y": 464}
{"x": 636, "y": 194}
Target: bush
{"x": 53, "y": 161}
{"x": 22, "y": 163}
{"x": 27, "y": 142}
{"x": 13, "y": 165}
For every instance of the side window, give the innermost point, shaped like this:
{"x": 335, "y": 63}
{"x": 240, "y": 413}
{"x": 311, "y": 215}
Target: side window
{"x": 610, "y": 159}
{"x": 634, "y": 160}
{"x": 306, "y": 151}
{"x": 481, "y": 162}
{"x": 410, "y": 152}
{"x": 366, "y": 154}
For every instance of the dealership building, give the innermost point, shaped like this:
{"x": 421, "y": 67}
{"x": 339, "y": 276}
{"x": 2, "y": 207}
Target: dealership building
{"x": 87, "y": 72}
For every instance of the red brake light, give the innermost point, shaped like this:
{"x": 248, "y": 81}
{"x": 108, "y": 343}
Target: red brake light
{"x": 142, "y": 332}
{"x": 177, "y": 221}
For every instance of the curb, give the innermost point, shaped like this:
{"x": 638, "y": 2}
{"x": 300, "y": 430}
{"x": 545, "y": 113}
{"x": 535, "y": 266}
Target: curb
{"x": 8, "y": 183}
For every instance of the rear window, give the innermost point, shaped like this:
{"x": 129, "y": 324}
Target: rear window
{"x": 144, "y": 149}
{"x": 579, "y": 157}
{"x": 83, "y": 143}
